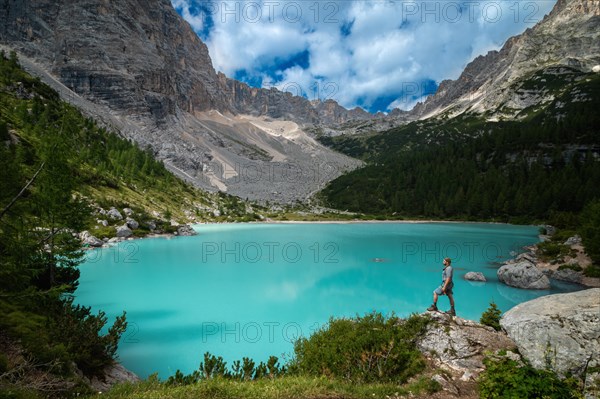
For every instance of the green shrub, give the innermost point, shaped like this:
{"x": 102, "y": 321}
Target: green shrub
{"x": 592, "y": 271}
{"x": 590, "y": 230}
{"x": 575, "y": 267}
{"x": 103, "y": 232}
{"x": 3, "y": 363}
{"x": 505, "y": 378}
{"x": 363, "y": 349}
{"x": 551, "y": 250}
{"x": 491, "y": 317}
{"x": 562, "y": 235}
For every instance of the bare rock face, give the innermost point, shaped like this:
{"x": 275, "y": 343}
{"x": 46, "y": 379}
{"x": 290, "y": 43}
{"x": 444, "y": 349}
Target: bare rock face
{"x": 569, "y": 37}
{"x": 560, "y": 331}
{"x": 113, "y": 375}
{"x": 459, "y": 344}
{"x": 523, "y": 275}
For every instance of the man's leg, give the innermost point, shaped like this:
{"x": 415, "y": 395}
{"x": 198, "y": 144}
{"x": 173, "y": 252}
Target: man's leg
{"x": 433, "y": 307}
{"x": 451, "y": 298}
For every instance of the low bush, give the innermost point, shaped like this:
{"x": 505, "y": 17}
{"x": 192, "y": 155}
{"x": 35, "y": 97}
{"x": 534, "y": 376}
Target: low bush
{"x": 505, "y": 378}
{"x": 592, "y": 271}
{"x": 363, "y": 349}
{"x": 491, "y": 317}
{"x": 575, "y": 267}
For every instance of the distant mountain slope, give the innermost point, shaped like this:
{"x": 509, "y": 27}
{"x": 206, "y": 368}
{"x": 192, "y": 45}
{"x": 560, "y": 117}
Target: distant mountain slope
{"x": 141, "y": 68}
{"x": 568, "y": 36}
{"x": 469, "y": 167}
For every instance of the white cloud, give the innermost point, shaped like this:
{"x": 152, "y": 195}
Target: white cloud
{"x": 196, "y": 21}
{"x": 385, "y": 45}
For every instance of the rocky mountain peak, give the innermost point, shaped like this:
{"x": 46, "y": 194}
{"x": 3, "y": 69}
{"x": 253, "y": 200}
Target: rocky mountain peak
{"x": 140, "y": 68}
{"x": 569, "y": 35}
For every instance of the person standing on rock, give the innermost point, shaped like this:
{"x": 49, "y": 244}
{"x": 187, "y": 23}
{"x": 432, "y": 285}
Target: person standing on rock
{"x": 445, "y": 288}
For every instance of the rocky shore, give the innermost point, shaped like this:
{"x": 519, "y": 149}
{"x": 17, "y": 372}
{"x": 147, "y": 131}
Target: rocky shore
{"x": 534, "y": 269}
{"x": 114, "y": 225}
{"x": 559, "y": 332}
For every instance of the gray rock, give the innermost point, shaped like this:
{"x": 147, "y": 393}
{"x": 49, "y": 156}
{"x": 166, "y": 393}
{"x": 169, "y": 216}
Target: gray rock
{"x": 186, "y": 230}
{"x": 446, "y": 384}
{"x": 575, "y": 240}
{"x": 560, "y": 331}
{"x": 550, "y": 230}
{"x": 523, "y": 275}
{"x": 468, "y": 376}
{"x": 151, "y": 225}
{"x": 526, "y": 257}
{"x": 102, "y": 222}
{"x": 93, "y": 242}
{"x": 113, "y": 375}
{"x": 124, "y": 231}
{"x": 88, "y": 239}
{"x": 128, "y": 211}
{"x": 475, "y": 276}
{"x": 132, "y": 223}
{"x": 591, "y": 386}
{"x": 460, "y": 344}
{"x": 568, "y": 275}
{"x": 114, "y": 214}
{"x": 114, "y": 240}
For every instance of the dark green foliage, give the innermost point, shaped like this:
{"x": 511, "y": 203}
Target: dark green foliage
{"x": 469, "y": 168}
{"x": 592, "y": 271}
{"x": 80, "y": 332}
{"x": 363, "y": 349}
{"x": 550, "y": 250}
{"x": 491, "y": 317}
{"x": 590, "y": 230}
{"x": 574, "y": 267}
{"x": 216, "y": 367}
{"x": 505, "y": 378}
{"x": 41, "y": 156}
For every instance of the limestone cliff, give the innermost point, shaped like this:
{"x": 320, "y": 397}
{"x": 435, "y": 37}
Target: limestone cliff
{"x": 140, "y": 68}
{"x": 568, "y": 36}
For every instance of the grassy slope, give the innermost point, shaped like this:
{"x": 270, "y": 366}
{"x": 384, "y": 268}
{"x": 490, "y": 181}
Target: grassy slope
{"x": 284, "y": 387}
{"x": 111, "y": 171}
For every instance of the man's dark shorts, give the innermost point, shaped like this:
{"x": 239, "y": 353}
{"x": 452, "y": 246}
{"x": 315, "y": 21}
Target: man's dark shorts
{"x": 438, "y": 291}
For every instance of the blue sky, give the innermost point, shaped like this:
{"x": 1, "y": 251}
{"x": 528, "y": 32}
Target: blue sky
{"x": 378, "y": 55}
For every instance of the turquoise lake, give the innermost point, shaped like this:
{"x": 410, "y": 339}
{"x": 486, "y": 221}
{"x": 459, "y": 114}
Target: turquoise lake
{"x": 250, "y": 290}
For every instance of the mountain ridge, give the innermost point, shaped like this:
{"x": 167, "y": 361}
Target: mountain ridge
{"x": 484, "y": 84}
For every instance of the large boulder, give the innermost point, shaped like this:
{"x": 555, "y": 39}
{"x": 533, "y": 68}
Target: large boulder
{"x": 132, "y": 223}
{"x": 114, "y": 374}
{"x": 124, "y": 231}
{"x": 560, "y": 331}
{"x": 575, "y": 240}
{"x": 114, "y": 214}
{"x": 475, "y": 276}
{"x": 460, "y": 344}
{"x": 523, "y": 275}
{"x": 186, "y": 230}
{"x": 88, "y": 239}
{"x": 568, "y": 275}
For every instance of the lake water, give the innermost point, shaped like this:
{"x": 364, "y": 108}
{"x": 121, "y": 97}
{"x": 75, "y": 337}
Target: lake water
{"x": 250, "y": 289}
